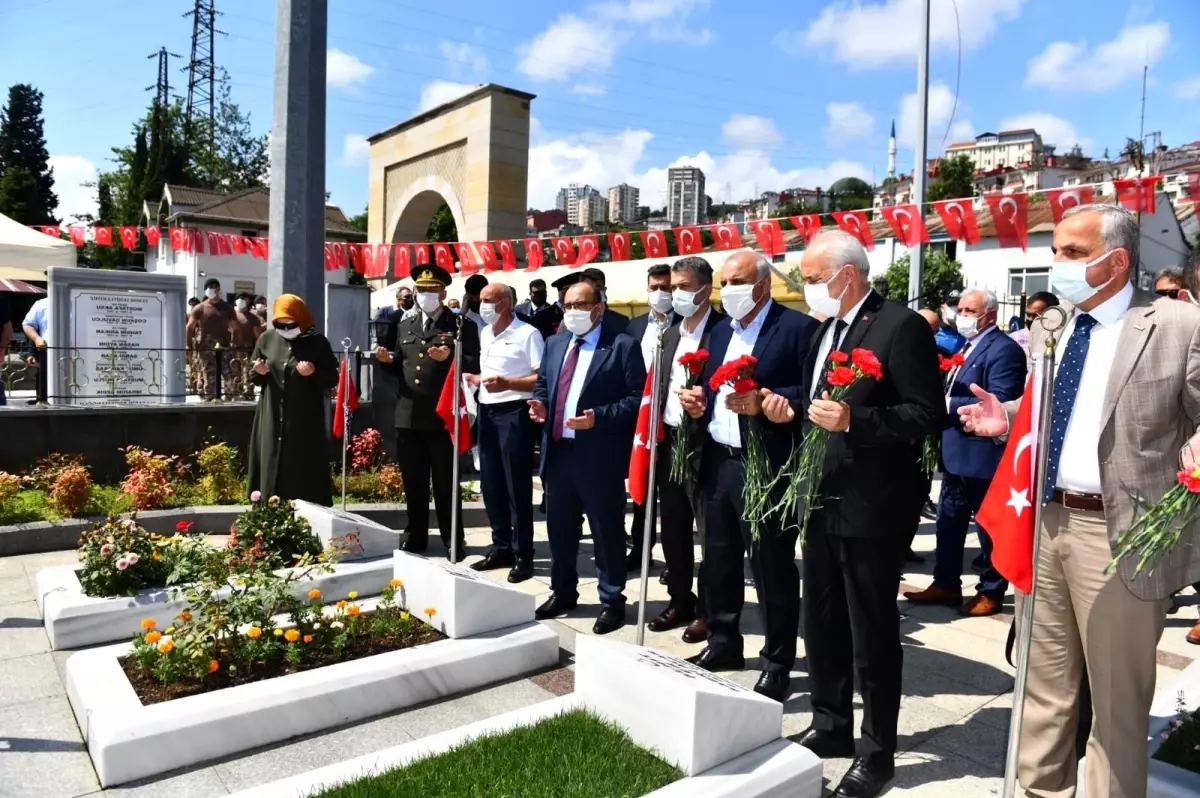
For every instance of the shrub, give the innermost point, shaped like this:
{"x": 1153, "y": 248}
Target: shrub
{"x": 271, "y": 535}
{"x": 119, "y": 558}
{"x": 69, "y": 492}
{"x": 391, "y": 484}
{"x": 148, "y": 480}
{"x": 10, "y": 486}
{"x": 366, "y": 450}
{"x": 45, "y": 472}
{"x": 222, "y": 481}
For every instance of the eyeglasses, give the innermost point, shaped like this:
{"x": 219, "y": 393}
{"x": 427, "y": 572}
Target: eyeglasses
{"x": 283, "y": 325}
{"x": 1172, "y": 293}
{"x": 578, "y": 305}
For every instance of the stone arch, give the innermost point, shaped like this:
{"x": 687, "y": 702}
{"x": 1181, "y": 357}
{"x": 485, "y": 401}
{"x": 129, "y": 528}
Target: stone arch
{"x": 409, "y": 215}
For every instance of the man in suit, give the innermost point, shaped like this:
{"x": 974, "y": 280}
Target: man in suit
{"x": 421, "y": 361}
{"x": 617, "y": 322}
{"x": 587, "y": 393}
{"x": 682, "y": 503}
{"x": 854, "y": 539}
{"x": 1125, "y": 410}
{"x": 646, "y": 329}
{"x": 778, "y": 337}
{"x": 996, "y": 363}
{"x": 544, "y": 316}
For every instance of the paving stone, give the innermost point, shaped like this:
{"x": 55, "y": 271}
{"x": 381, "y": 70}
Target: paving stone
{"x": 28, "y": 678}
{"x": 15, "y": 587}
{"x": 41, "y": 751}
{"x": 485, "y": 703}
{"x": 21, "y": 632}
{"x": 203, "y": 783}
{"x": 976, "y": 739}
{"x": 932, "y": 772}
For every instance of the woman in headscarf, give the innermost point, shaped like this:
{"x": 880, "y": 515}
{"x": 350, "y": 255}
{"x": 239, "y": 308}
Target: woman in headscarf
{"x": 295, "y": 367}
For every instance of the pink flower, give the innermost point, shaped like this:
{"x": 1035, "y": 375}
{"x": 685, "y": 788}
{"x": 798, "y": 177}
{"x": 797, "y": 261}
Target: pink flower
{"x": 106, "y": 550}
{"x": 122, "y": 564}
{"x": 131, "y": 558}
{"x": 256, "y": 496}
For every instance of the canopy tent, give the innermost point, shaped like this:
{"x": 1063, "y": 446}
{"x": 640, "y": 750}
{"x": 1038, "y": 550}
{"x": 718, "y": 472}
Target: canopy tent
{"x": 25, "y": 253}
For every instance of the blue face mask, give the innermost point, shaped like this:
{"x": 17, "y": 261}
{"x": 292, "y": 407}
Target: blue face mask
{"x": 1069, "y": 279}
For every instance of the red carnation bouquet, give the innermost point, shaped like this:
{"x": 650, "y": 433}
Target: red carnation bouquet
{"x": 1157, "y": 528}
{"x": 932, "y": 445}
{"x": 756, "y": 489}
{"x": 682, "y": 465}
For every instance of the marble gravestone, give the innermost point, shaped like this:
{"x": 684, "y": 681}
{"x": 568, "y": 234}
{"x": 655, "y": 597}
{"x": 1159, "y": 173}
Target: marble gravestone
{"x": 116, "y": 337}
{"x": 693, "y": 719}
{"x": 352, "y": 536}
{"x": 464, "y": 602}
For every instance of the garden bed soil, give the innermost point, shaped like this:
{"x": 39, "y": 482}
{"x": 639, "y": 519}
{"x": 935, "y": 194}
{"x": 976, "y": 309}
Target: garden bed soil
{"x": 1182, "y": 747}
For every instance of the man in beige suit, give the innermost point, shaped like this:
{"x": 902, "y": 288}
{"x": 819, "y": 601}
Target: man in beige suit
{"x": 1126, "y": 408}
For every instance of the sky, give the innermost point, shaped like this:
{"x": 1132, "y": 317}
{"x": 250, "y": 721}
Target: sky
{"x": 757, "y": 96}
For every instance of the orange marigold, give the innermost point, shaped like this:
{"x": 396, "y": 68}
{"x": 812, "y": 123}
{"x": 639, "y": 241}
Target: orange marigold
{"x": 153, "y": 636}
{"x": 353, "y": 609}
{"x": 308, "y": 638}
{"x": 213, "y": 665}
{"x": 341, "y": 605}
{"x": 148, "y": 623}
{"x": 291, "y": 635}
{"x": 431, "y": 611}
{"x": 396, "y": 583}
{"x": 166, "y": 646}
{"x": 314, "y": 593}
{"x": 185, "y": 616}
{"x": 254, "y": 632}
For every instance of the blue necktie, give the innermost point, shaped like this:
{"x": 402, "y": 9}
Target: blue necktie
{"x": 1066, "y": 385}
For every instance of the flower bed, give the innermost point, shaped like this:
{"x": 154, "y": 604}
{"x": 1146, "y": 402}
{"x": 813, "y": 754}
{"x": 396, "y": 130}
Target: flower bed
{"x": 1175, "y": 736}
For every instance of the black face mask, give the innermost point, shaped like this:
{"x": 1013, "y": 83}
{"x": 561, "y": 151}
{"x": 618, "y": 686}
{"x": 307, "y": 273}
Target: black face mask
{"x": 537, "y": 298}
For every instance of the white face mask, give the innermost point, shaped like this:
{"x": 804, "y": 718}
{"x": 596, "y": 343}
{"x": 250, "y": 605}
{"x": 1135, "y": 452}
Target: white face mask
{"x": 428, "y": 302}
{"x": 289, "y": 335}
{"x": 211, "y": 293}
{"x": 1069, "y": 280}
{"x": 660, "y": 301}
{"x": 738, "y": 300}
{"x": 684, "y": 302}
{"x": 949, "y": 315}
{"x": 242, "y": 304}
{"x": 818, "y": 298}
{"x": 968, "y": 326}
{"x": 578, "y": 322}
{"x": 261, "y": 308}
{"x": 488, "y": 312}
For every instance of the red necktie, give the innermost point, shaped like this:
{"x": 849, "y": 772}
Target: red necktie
{"x": 564, "y": 387}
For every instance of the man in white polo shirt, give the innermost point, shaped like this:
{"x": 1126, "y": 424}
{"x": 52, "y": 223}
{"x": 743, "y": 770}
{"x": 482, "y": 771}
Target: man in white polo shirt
{"x": 510, "y": 356}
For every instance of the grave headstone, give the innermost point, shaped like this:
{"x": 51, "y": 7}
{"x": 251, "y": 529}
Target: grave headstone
{"x": 352, "y": 536}
{"x": 464, "y": 602}
{"x": 693, "y": 719}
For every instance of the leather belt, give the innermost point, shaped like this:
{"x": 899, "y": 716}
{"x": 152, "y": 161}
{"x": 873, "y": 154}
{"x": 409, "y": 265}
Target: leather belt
{"x": 1088, "y": 502}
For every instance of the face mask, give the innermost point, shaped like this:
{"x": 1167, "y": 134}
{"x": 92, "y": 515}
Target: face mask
{"x": 289, "y": 334}
{"x": 406, "y": 303}
{"x": 1069, "y": 280}
{"x": 949, "y": 315}
{"x": 684, "y": 303}
{"x": 660, "y": 301}
{"x": 211, "y": 293}
{"x": 578, "y": 322}
{"x": 968, "y": 326}
{"x": 242, "y": 304}
{"x": 604, "y": 297}
{"x": 260, "y": 308}
{"x": 488, "y": 312}
{"x": 738, "y": 300}
{"x": 818, "y": 298}
{"x": 428, "y": 302}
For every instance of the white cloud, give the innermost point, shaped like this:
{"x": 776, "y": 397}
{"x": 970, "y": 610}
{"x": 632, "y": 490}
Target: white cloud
{"x": 570, "y": 45}
{"x": 1053, "y": 130}
{"x": 589, "y": 89}
{"x": 74, "y": 198}
{"x": 1188, "y": 89}
{"x": 1070, "y": 66}
{"x": 871, "y": 34}
{"x": 466, "y": 59}
{"x": 356, "y": 151}
{"x": 345, "y": 70}
{"x": 677, "y": 34}
{"x": 749, "y": 132}
{"x": 439, "y": 92}
{"x": 848, "y": 121}
{"x": 941, "y": 104}
{"x": 642, "y": 11}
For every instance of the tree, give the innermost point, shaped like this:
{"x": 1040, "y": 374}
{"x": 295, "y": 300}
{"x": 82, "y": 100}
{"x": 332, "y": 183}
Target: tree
{"x": 955, "y": 180}
{"x": 850, "y": 194}
{"x": 442, "y": 226}
{"x": 1075, "y": 159}
{"x": 28, "y": 195}
{"x": 359, "y": 222}
{"x": 225, "y": 154}
{"x": 941, "y": 276}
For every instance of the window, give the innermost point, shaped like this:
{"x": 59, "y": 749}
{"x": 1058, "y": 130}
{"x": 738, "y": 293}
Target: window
{"x": 1028, "y": 280}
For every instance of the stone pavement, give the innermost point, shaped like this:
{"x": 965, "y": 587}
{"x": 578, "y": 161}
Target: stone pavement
{"x": 953, "y": 718}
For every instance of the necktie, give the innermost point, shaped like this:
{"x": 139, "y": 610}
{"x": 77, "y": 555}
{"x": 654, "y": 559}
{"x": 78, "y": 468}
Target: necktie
{"x": 565, "y": 375}
{"x": 428, "y": 323}
{"x": 839, "y": 327}
{"x": 1066, "y": 386}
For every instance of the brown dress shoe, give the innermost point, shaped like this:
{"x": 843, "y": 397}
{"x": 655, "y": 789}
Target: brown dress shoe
{"x": 696, "y": 632}
{"x": 934, "y": 595}
{"x": 670, "y": 618}
{"x": 1193, "y": 636}
{"x": 981, "y": 606}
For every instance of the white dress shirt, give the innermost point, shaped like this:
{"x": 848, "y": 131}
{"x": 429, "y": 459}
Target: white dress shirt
{"x": 570, "y": 409}
{"x": 972, "y": 344}
{"x": 516, "y": 352}
{"x": 688, "y": 342}
{"x": 828, "y": 344}
{"x": 1079, "y": 465}
{"x": 650, "y": 337}
{"x": 724, "y": 427}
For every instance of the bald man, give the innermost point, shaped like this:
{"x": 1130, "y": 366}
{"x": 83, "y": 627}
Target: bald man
{"x": 931, "y": 317}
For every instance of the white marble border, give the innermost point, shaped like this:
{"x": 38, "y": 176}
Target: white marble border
{"x": 74, "y": 620}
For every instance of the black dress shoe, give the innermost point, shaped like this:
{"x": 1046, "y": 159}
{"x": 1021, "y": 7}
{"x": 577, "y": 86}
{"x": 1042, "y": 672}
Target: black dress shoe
{"x": 670, "y": 618}
{"x": 414, "y": 547}
{"x": 773, "y": 685}
{"x": 494, "y": 560}
{"x": 633, "y": 562}
{"x": 462, "y": 553}
{"x": 611, "y": 619}
{"x": 710, "y": 659}
{"x": 554, "y": 607}
{"x": 521, "y": 571}
{"x": 866, "y": 778}
{"x": 664, "y": 576}
{"x": 827, "y": 744}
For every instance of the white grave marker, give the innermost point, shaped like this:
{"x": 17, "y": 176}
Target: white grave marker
{"x": 465, "y": 602}
{"x": 351, "y": 535}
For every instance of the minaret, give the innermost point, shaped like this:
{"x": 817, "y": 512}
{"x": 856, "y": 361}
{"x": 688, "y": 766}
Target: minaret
{"x": 892, "y": 152}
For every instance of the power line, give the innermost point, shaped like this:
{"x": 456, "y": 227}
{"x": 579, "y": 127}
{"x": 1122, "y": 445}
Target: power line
{"x": 162, "y": 86}
{"x": 201, "y": 68}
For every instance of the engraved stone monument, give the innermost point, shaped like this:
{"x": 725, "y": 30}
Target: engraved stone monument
{"x": 352, "y": 536}
{"x": 465, "y": 602}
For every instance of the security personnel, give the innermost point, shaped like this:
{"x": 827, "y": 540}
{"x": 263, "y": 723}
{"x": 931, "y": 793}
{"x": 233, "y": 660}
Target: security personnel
{"x": 421, "y": 361}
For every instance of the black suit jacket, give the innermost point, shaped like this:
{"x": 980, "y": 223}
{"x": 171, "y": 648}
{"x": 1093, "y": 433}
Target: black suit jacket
{"x": 420, "y": 377}
{"x": 871, "y": 468}
{"x": 697, "y": 428}
{"x": 617, "y": 322}
{"x": 637, "y": 327}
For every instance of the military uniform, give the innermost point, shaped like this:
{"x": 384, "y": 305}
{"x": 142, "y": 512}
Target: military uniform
{"x": 424, "y": 448}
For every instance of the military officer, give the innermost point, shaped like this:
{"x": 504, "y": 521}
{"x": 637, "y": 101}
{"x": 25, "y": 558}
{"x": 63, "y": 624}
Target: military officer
{"x": 421, "y": 361}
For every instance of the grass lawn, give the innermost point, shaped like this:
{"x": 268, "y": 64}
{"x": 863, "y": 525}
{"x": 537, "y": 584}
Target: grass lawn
{"x": 574, "y": 755}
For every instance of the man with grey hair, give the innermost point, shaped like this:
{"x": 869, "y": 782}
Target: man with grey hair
{"x": 1125, "y": 411}
{"x": 994, "y": 361}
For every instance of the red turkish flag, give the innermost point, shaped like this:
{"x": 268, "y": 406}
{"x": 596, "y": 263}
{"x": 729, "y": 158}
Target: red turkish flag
{"x": 654, "y": 244}
{"x": 102, "y": 236}
{"x": 52, "y": 230}
{"x": 564, "y": 251}
{"x": 618, "y": 246}
{"x": 225, "y": 243}
{"x": 383, "y": 253}
{"x": 442, "y": 256}
{"x": 129, "y": 235}
{"x": 855, "y": 223}
{"x": 1137, "y": 193}
{"x": 445, "y": 409}
{"x": 366, "y": 259}
{"x": 908, "y": 223}
{"x": 340, "y": 256}
{"x": 153, "y": 235}
{"x": 487, "y": 254}
{"x": 534, "y": 256}
{"x": 1010, "y": 216}
{"x": 238, "y": 243}
{"x": 421, "y": 254}
{"x": 78, "y": 235}
{"x": 687, "y": 240}
{"x": 725, "y": 236}
{"x": 330, "y": 262}
{"x": 214, "y": 247}
{"x": 196, "y": 241}
{"x": 347, "y": 397}
{"x": 959, "y": 217}
{"x": 508, "y": 256}
{"x": 807, "y": 225}
{"x": 466, "y": 258}
{"x": 589, "y": 248}
{"x": 1008, "y": 508}
{"x": 260, "y": 248}
{"x": 403, "y": 265}
{"x": 1062, "y": 198}
{"x": 770, "y": 236}
{"x": 1193, "y": 186}
{"x": 356, "y": 257}
{"x": 639, "y": 458}
{"x": 178, "y": 238}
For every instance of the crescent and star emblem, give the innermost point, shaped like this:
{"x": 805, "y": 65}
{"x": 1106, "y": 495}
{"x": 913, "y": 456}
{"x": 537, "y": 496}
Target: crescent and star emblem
{"x": 1068, "y": 195}
{"x": 956, "y": 210}
{"x": 1011, "y": 202}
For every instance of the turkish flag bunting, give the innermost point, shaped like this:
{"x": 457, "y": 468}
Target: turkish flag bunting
{"x": 153, "y": 235}
{"x": 654, "y": 243}
{"x": 259, "y": 248}
{"x": 420, "y": 254}
{"x": 330, "y": 263}
{"x": 225, "y": 243}
{"x": 770, "y": 236}
{"x": 908, "y": 223}
{"x": 487, "y": 254}
{"x": 534, "y": 256}
{"x": 619, "y": 246}
{"x": 466, "y": 258}
{"x": 807, "y": 225}
{"x": 366, "y": 259}
{"x": 1193, "y": 186}
{"x": 178, "y": 238}
{"x": 589, "y": 248}
{"x": 340, "y": 257}
{"x": 214, "y": 246}
{"x": 102, "y": 236}
{"x": 383, "y": 253}
{"x": 725, "y": 236}
{"x": 356, "y": 257}
{"x": 959, "y": 217}
{"x": 52, "y": 230}
{"x": 403, "y": 264}
{"x": 1010, "y": 216}
{"x": 128, "y": 236}
{"x": 347, "y": 397}
{"x": 564, "y": 251}
{"x": 196, "y": 241}
{"x": 687, "y": 240}
{"x": 1062, "y": 198}
{"x": 1137, "y": 193}
{"x": 855, "y": 223}
{"x": 238, "y": 244}
{"x": 78, "y": 235}
{"x": 639, "y": 458}
{"x": 508, "y": 256}
{"x": 442, "y": 256}
{"x": 445, "y": 409}
{"x": 1007, "y": 510}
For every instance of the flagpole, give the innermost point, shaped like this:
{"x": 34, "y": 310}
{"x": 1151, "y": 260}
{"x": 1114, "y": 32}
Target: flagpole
{"x": 345, "y": 392}
{"x": 456, "y": 373}
{"x": 648, "y": 500}
{"x": 917, "y": 266}
{"x": 1025, "y": 623}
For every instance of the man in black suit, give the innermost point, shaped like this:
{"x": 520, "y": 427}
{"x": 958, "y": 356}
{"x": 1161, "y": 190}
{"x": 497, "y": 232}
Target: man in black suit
{"x": 852, "y": 553}
{"x": 681, "y": 502}
{"x": 544, "y": 316}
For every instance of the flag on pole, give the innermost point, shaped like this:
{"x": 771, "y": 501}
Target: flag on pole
{"x": 445, "y": 409}
{"x": 345, "y": 393}
{"x": 639, "y": 460}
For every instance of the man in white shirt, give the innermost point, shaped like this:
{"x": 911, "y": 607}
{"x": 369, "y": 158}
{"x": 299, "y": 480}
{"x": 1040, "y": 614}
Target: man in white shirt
{"x": 510, "y": 356}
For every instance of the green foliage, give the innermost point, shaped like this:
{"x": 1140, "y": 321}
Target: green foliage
{"x": 271, "y": 535}
{"x": 956, "y": 179}
{"x": 26, "y": 179}
{"x": 1181, "y": 747}
{"x": 359, "y": 222}
{"x": 442, "y": 226}
{"x": 222, "y": 481}
{"x": 850, "y": 194}
{"x": 941, "y": 276}
{"x": 225, "y": 153}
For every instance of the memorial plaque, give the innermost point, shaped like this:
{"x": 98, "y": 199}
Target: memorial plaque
{"x": 463, "y": 602}
{"x": 352, "y": 536}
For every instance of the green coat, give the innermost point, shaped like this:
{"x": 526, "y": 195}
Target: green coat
{"x": 289, "y": 443}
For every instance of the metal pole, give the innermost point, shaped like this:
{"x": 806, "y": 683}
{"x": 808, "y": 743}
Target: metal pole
{"x": 917, "y": 264}
{"x": 345, "y": 392}
{"x": 456, "y": 374}
{"x": 652, "y": 442}
{"x": 1025, "y": 624}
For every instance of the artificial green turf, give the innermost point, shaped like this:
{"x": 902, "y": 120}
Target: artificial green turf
{"x": 573, "y": 755}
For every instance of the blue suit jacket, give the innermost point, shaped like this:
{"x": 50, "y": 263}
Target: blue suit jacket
{"x": 781, "y": 349}
{"x": 997, "y": 365}
{"x": 612, "y": 389}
